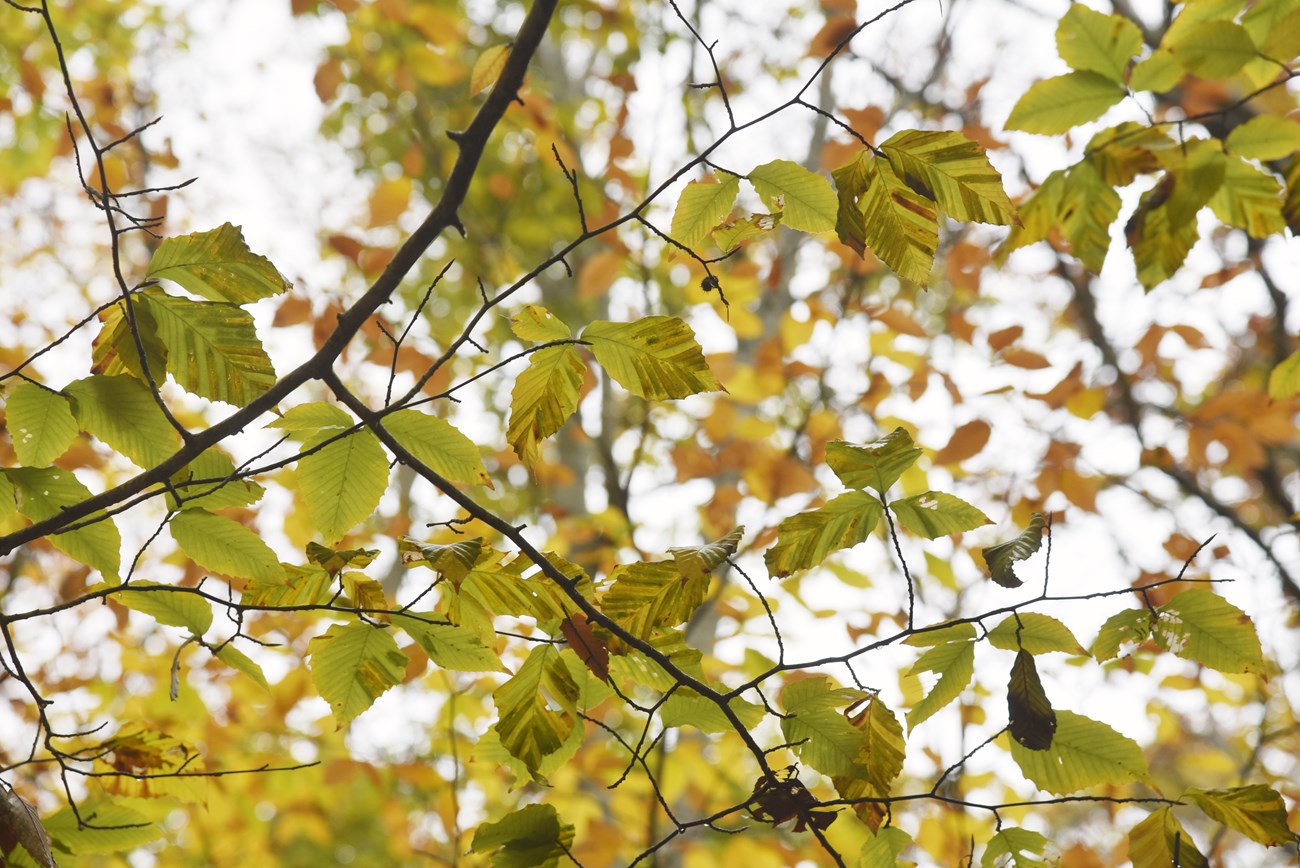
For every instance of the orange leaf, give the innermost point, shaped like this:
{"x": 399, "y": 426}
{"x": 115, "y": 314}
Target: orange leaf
{"x": 1004, "y": 338}
{"x": 966, "y": 442}
{"x": 590, "y": 650}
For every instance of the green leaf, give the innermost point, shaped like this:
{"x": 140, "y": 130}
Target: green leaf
{"x": 1201, "y": 626}
{"x": 1196, "y": 171}
{"x": 685, "y": 707}
{"x": 1283, "y": 39}
{"x": 236, "y": 659}
{"x": 121, "y": 411}
{"x": 1249, "y": 199}
{"x": 537, "y": 707}
{"x": 1264, "y": 137}
{"x": 955, "y": 664}
{"x": 342, "y": 483}
{"x": 40, "y": 424}
{"x": 108, "y": 827}
{"x": 175, "y": 607}
{"x": 1255, "y": 811}
{"x": 824, "y": 739}
{"x": 44, "y": 492}
{"x": 299, "y": 586}
{"x": 879, "y": 761}
{"x": 1284, "y": 379}
{"x": 1091, "y": 41}
{"x": 953, "y": 171}
{"x": 335, "y": 561}
{"x": 312, "y": 418}
{"x": 1129, "y": 627}
{"x": 447, "y": 645}
{"x": 655, "y": 357}
{"x": 877, "y": 464}
{"x": 1084, "y": 753}
{"x": 1159, "y": 246}
{"x": 935, "y": 514}
{"x": 646, "y": 597}
{"x": 694, "y": 562}
{"x": 531, "y": 837}
{"x": 1088, "y": 207}
{"x": 1039, "y": 215}
{"x": 738, "y": 231}
{"x": 703, "y": 205}
{"x": 114, "y": 350}
{"x": 453, "y": 561}
{"x": 1214, "y": 49}
{"x": 1056, "y": 105}
{"x": 803, "y": 541}
{"x": 1034, "y": 633}
{"x": 1002, "y": 557}
{"x": 1159, "y": 72}
{"x": 8, "y": 498}
{"x": 544, "y": 397}
{"x": 899, "y": 225}
{"x": 438, "y": 445}
{"x": 1019, "y": 848}
{"x": 1122, "y": 153}
{"x": 805, "y": 199}
{"x": 884, "y": 847}
{"x": 1160, "y": 841}
{"x": 218, "y": 266}
{"x": 354, "y": 665}
{"x": 212, "y": 348}
{"x": 536, "y": 323}
{"x": 928, "y": 637}
{"x": 851, "y": 181}
{"x": 1032, "y": 718}
{"x": 224, "y": 546}
{"x": 205, "y": 482}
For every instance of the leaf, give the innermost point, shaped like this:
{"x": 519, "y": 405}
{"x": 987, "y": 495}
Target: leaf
{"x": 1084, "y": 753}
{"x": 1039, "y": 215}
{"x": 44, "y": 493}
{"x": 851, "y": 181}
{"x": 685, "y": 707}
{"x": 966, "y": 442}
{"x": 1021, "y": 848}
{"x": 1159, "y": 247}
{"x": 877, "y": 464}
{"x": 312, "y": 418}
{"x": 453, "y": 561}
{"x": 1264, "y": 137}
{"x": 878, "y": 764}
{"x": 882, "y": 850}
{"x": 335, "y": 561}
{"x": 531, "y": 837}
{"x": 1035, "y": 634}
{"x": 447, "y": 645}
{"x": 236, "y": 659}
{"x": 8, "y": 498}
{"x": 805, "y": 199}
{"x": 1088, "y": 208}
{"x": 212, "y": 348}
{"x": 1284, "y": 379}
{"x": 488, "y": 67}
{"x": 935, "y": 514}
{"x": 103, "y": 826}
{"x": 121, "y": 411}
{"x": 1214, "y": 49}
{"x": 955, "y": 664}
{"x": 354, "y": 665}
{"x": 953, "y": 171}
{"x": 1255, "y": 811}
{"x": 1159, "y": 72}
{"x": 537, "y": 707}
{"x": 217, "y": 265}
{"x": 205, "y": 482}
{"x": 224, "y": 546}
{"x": 702, "y": 206}
{"x": 591, "y": 650}
{"x": 544, "y": 397}
{"x": 1129, "y": 627}
{"x": 1283, "y": 39}
{"x": 645, "y": 597}
{"x": 1032, "y": 719}
{"x": 1002, "y": 557}
{"x": 342, "y": 483}
{"x": 1091, "y": 41}
{"x": 536, "y": 323}
{"x": 695, "y": 562}
{"x": 735, "y": 233}
{"x": 1201, "y": 626}
{"x": 824, "y": 739}
{"x": 655, "y": 357}
{"x": 899, "y": 225}
{"x": 299, "y": 586}
{"x": 1160, "y": 841}
{"x": 114, "y": 350}
{"x": 438, "y": 445}
{"x": 1249, "y": 199}
{"x": 175, "y": 607}
{"x": 40, "y": 424}
{"x": 1056, "y": 105}
{"x": 804, "y": 540}
{"x": 23, "y": 832}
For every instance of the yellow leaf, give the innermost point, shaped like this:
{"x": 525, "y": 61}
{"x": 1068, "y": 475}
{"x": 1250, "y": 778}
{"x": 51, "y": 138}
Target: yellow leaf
{"x": 487, "y": 69}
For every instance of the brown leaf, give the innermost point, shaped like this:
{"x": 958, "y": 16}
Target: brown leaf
{"x": 1033, "y": 722}
{"x": 590, "y": 650}
{"x": 966, "y": 442}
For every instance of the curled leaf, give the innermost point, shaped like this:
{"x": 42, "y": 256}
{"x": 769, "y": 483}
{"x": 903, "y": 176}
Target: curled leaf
{"x": 1001, "y": 558}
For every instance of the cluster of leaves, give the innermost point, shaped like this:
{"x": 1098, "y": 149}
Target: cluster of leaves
{"x": 578, "y": 660}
